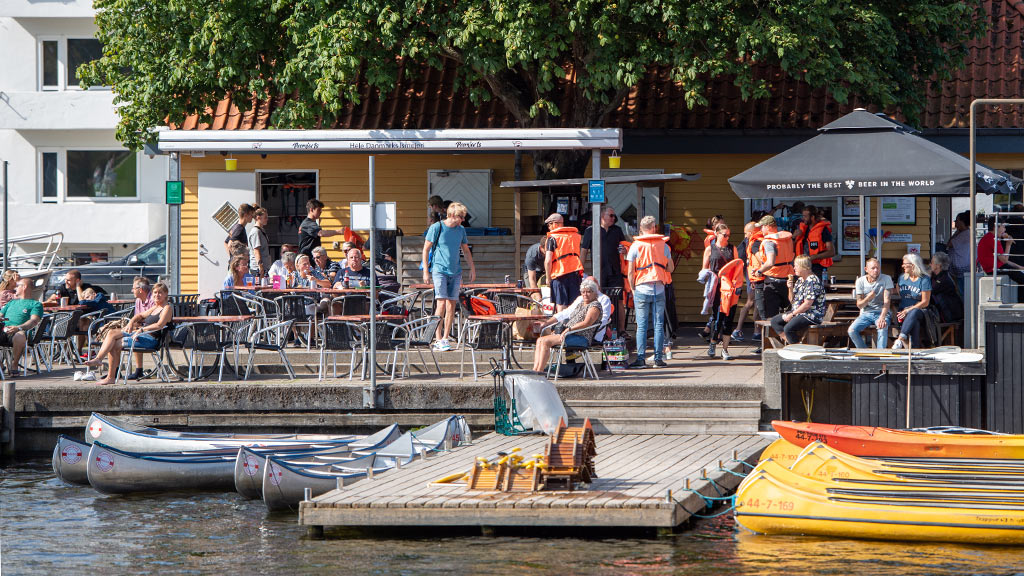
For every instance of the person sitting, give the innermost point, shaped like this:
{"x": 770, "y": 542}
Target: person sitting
{"x": 7, "y": 285}
{"x": 284, "y": 267}
{"x": 915, "y": 287}
{"x": 323, "y": 264}
{"x": 356, "y": 275}
{"x": 946, "y": 297}
{"x": 20, "y": 315}
{"x": 236, "y": 248}
{"x": 237, "y": 271}
{"x": 95, "y": 302}
{"x": 994, "y": 249}
{"x": 143, "y": 329}
{"x": 143, "y": 292}
{"x": 587, "y": 315}
{"x": 72, "y": 288}
{"x": 873, "y": 292}
{"x": 309, "y": 277}
{"x": 808, "y": 298}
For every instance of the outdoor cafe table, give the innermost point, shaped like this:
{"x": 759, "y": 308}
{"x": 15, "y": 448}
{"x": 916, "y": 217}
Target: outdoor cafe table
{"x": 278, "y": 291}
{"x": 471, "y": 286}
{"x": 508, "y": 319}
{"x": 366, "y": 317}
{"x": 841, "y": 287}
{"x": 224, "y": 319}
{"x": 55, "y": 307}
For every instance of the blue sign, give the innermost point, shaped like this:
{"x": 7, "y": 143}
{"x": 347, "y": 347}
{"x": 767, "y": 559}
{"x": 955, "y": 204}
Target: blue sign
{"x": 596, "y": 190}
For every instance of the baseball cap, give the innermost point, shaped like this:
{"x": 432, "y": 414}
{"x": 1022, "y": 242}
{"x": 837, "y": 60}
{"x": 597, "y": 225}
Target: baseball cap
{"x": 556, "y": 217}
{"x": 768, "y": 220}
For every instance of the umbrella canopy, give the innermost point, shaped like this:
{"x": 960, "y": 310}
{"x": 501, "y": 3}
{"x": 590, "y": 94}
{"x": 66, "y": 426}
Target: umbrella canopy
{"x": 864, "y": 154}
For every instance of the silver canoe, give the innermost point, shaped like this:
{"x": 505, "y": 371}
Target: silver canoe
{"x": 250, "y": 462}
{"x": 69, "y": 460}
{"x": 143, "y": 439}
{"x": 448, "y": 433}
{"x": 114, "y": 471}
{"x": 284, "y": 484}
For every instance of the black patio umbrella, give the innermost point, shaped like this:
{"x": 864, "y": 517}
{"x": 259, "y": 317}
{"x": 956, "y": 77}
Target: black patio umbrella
{"x": 864, "y": 154}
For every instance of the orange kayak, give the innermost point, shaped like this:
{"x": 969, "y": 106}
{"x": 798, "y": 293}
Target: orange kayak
{"x": 889, "y": 443}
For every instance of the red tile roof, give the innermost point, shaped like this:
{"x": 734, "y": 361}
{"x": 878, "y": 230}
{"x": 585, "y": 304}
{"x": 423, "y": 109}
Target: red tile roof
{"x": 993, "y": 69}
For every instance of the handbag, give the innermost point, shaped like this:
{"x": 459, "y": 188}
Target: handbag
{"x": 523, "y": 329}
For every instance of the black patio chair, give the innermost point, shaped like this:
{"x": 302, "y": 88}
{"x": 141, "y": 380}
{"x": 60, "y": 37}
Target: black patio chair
{"x": 480, "y": 335}
{"x": 415, "y": 335}
{"x": 299, "y": 309}
{"x": 338, "y": 337}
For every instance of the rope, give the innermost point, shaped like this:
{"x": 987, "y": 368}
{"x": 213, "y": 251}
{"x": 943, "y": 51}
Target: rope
{"x": 709, "y": 503}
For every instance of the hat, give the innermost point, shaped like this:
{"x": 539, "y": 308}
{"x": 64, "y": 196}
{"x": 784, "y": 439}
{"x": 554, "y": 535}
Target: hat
{"x": 556, "y": 217}
{"x": 768, "y": 220}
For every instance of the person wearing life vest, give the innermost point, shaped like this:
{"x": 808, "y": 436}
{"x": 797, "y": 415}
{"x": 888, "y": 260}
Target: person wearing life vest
{"x": 716, "y": 256}
{"x": 743, "y": 253}
{"x": 817, "y": 241}
{"x": 709, "y": 230}
{"x": 650, "y": 269}
{"x": 776, "y": 254}
{"x": 562, "y": 262}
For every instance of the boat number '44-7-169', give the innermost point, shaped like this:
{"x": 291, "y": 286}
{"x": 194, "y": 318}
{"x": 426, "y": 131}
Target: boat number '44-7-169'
{"x": 784, "y": 505}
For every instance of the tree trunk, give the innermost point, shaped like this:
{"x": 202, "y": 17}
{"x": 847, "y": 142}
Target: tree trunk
{"x": 556, "y": 164}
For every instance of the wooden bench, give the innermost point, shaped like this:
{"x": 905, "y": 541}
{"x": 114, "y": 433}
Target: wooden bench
{"x": 824, "y": 334}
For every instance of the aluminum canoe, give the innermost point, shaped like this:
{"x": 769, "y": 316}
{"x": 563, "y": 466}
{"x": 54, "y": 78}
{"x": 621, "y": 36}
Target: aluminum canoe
{"x": 114, "y": 471}
{"x": 70, "y": 459}
{"x": 250, "y": 462}
{"x": 447, "y": 433}
{"x": 143, "y": 439}
{"x": 284, "y": 484}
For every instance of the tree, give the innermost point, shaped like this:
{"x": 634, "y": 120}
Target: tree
{"x": 554, "y": 63}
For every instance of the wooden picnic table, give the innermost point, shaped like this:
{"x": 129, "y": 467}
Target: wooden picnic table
{"x": 842, "y": 287}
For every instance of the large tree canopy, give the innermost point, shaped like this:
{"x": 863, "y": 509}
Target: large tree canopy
{"x": 556, "y": 62}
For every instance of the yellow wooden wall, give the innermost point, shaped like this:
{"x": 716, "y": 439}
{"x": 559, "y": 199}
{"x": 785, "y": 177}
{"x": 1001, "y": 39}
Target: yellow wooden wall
{"x": 403, "y": 179}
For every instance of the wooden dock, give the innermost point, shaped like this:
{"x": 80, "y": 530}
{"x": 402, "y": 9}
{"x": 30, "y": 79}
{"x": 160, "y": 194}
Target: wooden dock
{"x": 641, "y": 483}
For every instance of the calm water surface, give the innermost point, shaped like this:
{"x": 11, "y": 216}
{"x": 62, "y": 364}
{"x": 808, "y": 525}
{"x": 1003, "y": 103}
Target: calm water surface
{"x": 48, "y": 528}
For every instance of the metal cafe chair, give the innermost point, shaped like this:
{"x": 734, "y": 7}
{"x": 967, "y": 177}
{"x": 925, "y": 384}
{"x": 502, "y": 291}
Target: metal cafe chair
{"x": 556, "y": 358}
{"x": 61, "y": 331}
{"x": 299, "y": 309}
{"x": 479, "y": 335}
{"x": 415, "y": 335}
{"x": 384, "y": 343}
{"x": 271, "y": 338}
{"x": 158, "y": 355}
{"x": 338, "y": 336}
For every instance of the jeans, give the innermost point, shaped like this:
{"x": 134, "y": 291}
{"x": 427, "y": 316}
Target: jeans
{"x": 794, "y": 329}
{"x": 911, "y": 326}
{"x": 867, "y": 319}
{"x": 446, "y": 286}
{"x": 648, "y": 305}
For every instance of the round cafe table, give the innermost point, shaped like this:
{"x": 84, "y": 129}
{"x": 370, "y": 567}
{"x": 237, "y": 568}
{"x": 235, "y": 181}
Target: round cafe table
{"x": 507, "y": 320}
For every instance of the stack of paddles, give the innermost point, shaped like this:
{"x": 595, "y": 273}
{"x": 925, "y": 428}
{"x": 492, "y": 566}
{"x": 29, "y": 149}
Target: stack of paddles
{"x": 569, "y": 457}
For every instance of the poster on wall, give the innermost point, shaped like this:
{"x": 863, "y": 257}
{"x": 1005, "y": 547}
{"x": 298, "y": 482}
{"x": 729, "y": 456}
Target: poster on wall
{"x": 899, "y": 210}
{"x": 850, "y": 243}
{"x": 851, "y": 206}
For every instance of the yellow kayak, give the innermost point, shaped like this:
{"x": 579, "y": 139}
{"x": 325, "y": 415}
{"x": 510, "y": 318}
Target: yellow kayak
{"x": 774, "y": 500}
{"x": 782, "y": 451}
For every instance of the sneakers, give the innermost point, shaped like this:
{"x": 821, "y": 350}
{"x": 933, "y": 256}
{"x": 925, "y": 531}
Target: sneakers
{"x": 737, "y": 335}
{"x": 638, "y": 363}
{"x": 137, "y": 375}
{"x": 758, "y": 350}
{"x": 442, "y": 346}
{"x": 711, "y": 350}
{"x": 726, "y": 355}
{"x": 87, "y": 376}
{"x": 659, "y": 363}
{"x": 898, "y": 344}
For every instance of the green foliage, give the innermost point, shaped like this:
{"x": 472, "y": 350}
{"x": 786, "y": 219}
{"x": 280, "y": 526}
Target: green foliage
{"x": 577, "y": 58}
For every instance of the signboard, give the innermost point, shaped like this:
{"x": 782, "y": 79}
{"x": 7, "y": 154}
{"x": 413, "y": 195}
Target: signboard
{"x": 898, "y": 238}
{"x": 596, "y": 189}
{"x": 175, "y": 192}
{"x": 898, "y": 210}
{"x": 387, "y": 216}
{"x": 850, "y": 242}
{"x": 914, "y": 249}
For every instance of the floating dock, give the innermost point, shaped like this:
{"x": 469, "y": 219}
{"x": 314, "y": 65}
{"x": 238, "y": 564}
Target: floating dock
{"x": 642, "y": 483}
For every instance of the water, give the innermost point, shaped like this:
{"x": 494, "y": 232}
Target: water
{"x": 48, "y": 528}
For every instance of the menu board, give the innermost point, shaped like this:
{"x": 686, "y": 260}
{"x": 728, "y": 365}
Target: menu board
{"x": 898, "y": 210}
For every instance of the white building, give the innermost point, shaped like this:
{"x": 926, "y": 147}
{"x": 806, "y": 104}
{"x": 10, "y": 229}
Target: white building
{"x": 67, "y": 172}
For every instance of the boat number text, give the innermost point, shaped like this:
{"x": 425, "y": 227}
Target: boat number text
{"x": 811, "y": 436}
{"x": 785, "y": 505}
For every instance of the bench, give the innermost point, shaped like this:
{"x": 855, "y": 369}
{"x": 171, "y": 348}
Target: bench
{"x": 949, "y": 333}
{"x": 824, "y": 334}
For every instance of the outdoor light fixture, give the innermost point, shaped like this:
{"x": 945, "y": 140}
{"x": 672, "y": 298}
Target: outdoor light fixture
{"x": 614, "y": 161}
{"x": 230, "y": 164}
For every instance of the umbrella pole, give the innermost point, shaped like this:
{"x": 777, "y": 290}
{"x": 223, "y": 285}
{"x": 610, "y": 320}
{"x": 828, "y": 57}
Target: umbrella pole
{"x": 878, "y": 233}
{"x": 862, "y": 230}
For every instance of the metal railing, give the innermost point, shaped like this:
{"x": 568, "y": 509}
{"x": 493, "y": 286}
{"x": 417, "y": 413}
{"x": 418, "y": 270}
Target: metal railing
{"x": 1009, "y": 219}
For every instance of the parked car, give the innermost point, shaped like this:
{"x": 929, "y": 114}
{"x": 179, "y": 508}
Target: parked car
{"x": 116, "y": 276}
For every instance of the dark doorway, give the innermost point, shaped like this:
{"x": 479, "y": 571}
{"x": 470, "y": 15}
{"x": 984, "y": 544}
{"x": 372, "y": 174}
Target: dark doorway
{"x": 284, "y": 195}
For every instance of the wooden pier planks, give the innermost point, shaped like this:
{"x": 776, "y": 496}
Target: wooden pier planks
{"x": 635, "y": 474}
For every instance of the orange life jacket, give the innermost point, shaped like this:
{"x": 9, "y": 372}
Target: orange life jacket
{"x": 350, "y": 236}
{"x": 651, "y": 263}
{"x": 566, "y": 256}
{"x": 815, "y": 244}
{"x": 753, "y": 260}
{"x": 784, "y": 254}
{"x": 709, "y": 238}
{"x": 730, "y": 280}
{"x": 800, "y": 238}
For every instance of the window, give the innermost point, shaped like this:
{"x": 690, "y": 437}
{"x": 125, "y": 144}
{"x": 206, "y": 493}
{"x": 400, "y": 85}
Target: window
{"x": 59, "y": 59}
{"x": 73, "y": 175}
{"x": 84, "y": 258}
{"x": 155, "y": 255}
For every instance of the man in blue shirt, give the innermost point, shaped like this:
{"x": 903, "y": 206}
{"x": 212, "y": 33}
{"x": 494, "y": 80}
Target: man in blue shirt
{"x": 20, "y": 315}
{"x": 441, "y": 265}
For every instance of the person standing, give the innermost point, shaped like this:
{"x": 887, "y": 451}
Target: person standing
{"x": 749, "y": 230}
{"x": 612, "y": 248}
{"x": 562, "y": 262}
{"x": 959, "y": 248}
{"x": 817, "y": 243}
{"x": 441, "y": 264}
{"x": 259, "y": 244}
{"x": 776, "y": 255}
{"x": 716, "y": 256}
{"x": 993, "y": 252}
{"x": 533, "y": 264}
{"x": 650, "y": 269}
{"x": 237, "y": 231}
{"x": 873, "y": 292}
{"x": 808, "y": 297}
{"x": 915, "y": 285}
{"x": 310, "y": 231}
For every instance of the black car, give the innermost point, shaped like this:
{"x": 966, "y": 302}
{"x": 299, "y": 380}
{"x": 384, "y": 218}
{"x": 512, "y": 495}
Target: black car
{"x": 150, "y": 261}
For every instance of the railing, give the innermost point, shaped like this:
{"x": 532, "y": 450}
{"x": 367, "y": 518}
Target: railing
{"x": 29, "y": 261}
{"x": 1007, "y": 241}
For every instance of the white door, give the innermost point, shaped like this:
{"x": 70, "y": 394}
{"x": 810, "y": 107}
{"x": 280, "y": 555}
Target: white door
{"x": 220, "y": 194}
{"x": 622, "y": 197}
{"x": 470, "y": 187}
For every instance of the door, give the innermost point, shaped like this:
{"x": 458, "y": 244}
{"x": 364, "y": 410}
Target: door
{"x": 622, "y": 197}
{"x": 469, "y": 187}
{"x": 220, "y": 194}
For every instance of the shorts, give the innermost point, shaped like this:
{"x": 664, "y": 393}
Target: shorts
{"x": 566, "y": 289}
{"x": 143, "y": 341}
{"x": 576, "y": 341}
{"x": 446, "y": 286}
{"x": 5, "y": 338}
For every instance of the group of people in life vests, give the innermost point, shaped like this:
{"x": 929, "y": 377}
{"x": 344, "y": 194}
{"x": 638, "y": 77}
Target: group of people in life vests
{"x": 769, "y": 264}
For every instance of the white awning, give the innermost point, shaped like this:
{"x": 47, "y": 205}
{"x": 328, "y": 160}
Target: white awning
{"x": 386, "y": 141}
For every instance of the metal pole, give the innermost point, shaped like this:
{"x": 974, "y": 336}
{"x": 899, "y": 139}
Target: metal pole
{"x": 595, "y": 227}
{"x": 173, "y": 269}
{"x": 7, "y": 254}
{"x": 370, "y": 397}
{"x": 970, "y": 316}
{"x": 860, "y": 226}
{"x": 878, "y": 233}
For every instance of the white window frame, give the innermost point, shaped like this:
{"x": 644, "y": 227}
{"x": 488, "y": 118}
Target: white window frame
{"x": 63, "y": 70}
{"x": 62, "y": 176}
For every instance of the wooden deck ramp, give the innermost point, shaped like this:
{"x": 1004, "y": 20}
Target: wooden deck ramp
{"x": 636, "y": 473}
